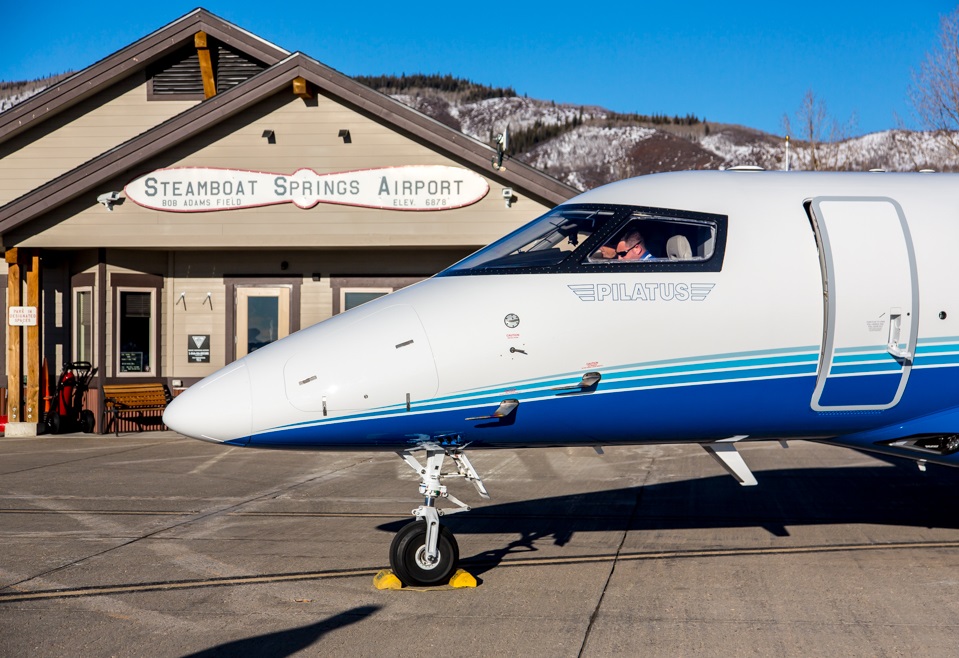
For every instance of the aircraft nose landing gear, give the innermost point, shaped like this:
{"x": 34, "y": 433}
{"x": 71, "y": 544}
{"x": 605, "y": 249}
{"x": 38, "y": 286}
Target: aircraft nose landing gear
{"x": 424, "y": 553}
{"x": 410, "y": 560}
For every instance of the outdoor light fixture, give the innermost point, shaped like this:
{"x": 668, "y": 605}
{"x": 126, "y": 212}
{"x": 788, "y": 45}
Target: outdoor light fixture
{"x": 270, "y": 136}
{"x": 109, "y": 199}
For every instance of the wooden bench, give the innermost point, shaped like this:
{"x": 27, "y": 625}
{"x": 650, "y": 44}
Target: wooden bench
{"x": 120, "y": 401}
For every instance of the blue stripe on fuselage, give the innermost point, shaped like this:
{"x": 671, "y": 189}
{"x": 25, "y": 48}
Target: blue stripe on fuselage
{"x": 760, "y": 394}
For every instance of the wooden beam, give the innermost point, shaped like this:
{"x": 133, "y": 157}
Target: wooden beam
{"x": 301, "y": 87}
{"x": 13, "y": 339}
{"x": 206, "y": 65}
{"x": 31, "y": 412}
{"x": 11, "y": 256}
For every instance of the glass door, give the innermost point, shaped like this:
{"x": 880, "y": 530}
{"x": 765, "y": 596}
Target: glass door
{"x": 262, "y": 316}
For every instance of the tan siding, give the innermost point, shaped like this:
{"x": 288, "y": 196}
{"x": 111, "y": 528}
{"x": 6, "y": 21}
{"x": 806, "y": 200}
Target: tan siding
{"x": 316, "y": 301}
{"x": 83, "y": 132}
{"x": 306, "y": 137}
{"x": 196, "y": 317}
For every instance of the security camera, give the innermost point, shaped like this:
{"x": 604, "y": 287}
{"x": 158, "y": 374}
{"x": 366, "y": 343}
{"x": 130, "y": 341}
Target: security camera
{"x": 108, "y": 199}
{"x": 507, "y": 192}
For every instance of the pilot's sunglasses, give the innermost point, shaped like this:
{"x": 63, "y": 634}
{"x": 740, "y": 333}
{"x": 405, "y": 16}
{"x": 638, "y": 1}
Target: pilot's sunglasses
{"x": 623, "y": 253}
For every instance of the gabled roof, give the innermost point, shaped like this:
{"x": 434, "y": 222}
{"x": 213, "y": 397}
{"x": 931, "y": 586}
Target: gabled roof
{"x": 195, "y": 120}
{"x": 129, "y": 60}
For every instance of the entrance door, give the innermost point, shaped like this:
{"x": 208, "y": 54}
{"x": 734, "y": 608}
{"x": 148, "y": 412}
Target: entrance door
{"x": 262, "y": 316}
{"x": 872, "y": 303}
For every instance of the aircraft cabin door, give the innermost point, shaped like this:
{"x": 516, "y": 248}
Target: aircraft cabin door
{"x": 871, "y": 303}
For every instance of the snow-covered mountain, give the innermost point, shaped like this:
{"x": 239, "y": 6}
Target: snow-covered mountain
{"x": 12, "y": 93}
{"x": 604, "y": 146}
{"x": 587, "y": 146}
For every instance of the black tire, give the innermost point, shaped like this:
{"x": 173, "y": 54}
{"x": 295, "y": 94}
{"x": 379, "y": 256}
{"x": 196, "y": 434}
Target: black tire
{"x": 87, "y": 421}
{"x": 409, "y": 546}
{"x": 53, "y": 422}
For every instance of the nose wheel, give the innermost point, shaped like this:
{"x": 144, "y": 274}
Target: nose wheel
{"x": 410, "y": 560}
{"x": 424, "y": 553}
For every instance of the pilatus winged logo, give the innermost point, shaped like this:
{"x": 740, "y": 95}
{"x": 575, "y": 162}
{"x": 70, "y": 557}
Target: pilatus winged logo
{"x": 642, "y": 292}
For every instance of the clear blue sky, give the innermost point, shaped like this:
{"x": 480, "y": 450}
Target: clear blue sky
{"x": 740, "y": 62}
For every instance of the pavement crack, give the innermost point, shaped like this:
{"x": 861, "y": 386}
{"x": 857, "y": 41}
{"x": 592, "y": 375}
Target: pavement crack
{"x": 612, "y": 568}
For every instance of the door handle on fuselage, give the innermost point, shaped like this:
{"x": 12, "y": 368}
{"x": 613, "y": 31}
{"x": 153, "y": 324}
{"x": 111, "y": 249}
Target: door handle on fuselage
{"x": 895, "y": 331}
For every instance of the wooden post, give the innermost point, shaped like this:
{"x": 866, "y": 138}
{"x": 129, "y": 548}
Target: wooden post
{"x": 31, "y": 404}
{"x": 206, "y": 64}
{"x": 13, "y": 338}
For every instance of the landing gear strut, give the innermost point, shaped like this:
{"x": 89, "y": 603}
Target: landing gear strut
{"x": 425, "y": 553}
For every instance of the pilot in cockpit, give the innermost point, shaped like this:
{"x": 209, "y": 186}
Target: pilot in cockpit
{"x": 631, "y": 246}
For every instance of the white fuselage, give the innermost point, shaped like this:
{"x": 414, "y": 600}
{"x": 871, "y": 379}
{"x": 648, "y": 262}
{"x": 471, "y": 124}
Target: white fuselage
{"x": 834, "y": 294}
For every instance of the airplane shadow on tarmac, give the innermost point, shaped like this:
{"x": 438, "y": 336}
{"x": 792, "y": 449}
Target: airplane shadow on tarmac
{"x": 286, "y": 643}
{"x": 893, "y": 495}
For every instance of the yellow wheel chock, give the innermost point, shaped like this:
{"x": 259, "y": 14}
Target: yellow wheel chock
{"x": 386, "y": 579}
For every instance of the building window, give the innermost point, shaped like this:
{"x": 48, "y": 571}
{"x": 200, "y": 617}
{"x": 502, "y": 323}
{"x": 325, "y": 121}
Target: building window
{"x": 136, "y": 338}
{"x": 351, "y": 291}
{"x": 259, "y": 310}
{"x": 353, "y": 297}
{"x": 84, "y": 328}
{"x": 262, "y": 316}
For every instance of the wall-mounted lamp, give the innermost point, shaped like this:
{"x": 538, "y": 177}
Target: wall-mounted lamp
{"x": 269, "y": 136}
{"x": 209, "y": 298}
{"x": 110, "y": 199}
{"x": 181, "y": 298}
{"x": 345, "y": 134}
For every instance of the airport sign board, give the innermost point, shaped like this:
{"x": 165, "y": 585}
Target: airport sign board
{"x": 205, "y": 189}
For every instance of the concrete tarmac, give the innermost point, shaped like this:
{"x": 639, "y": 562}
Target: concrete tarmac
{"x": 155, "y": 545}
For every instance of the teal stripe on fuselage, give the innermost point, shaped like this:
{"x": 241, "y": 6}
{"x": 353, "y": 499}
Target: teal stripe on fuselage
{"x": 736, "y": 366}
{"x": 716, "y": 369}
{"x": 865, "y": 368}
{"x": 699, "y": 371}
{"x": 938, "y": 360}
{"x": 636, "y": 371}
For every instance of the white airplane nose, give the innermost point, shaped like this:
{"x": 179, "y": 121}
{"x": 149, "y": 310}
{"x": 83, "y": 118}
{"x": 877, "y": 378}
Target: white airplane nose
{"x": 216, "y": 409}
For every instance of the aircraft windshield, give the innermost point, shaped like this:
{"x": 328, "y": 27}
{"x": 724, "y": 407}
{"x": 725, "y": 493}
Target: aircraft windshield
{"x": 541, "y": 243}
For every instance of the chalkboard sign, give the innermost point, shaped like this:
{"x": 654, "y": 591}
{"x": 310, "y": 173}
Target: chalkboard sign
{"x": 131, "y": 361}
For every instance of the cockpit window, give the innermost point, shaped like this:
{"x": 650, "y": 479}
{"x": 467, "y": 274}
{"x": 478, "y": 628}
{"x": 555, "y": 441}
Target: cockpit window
{"x": 605, "y": 238}
{"x": 649, "y": 238}
{"x": 546, "y": 241}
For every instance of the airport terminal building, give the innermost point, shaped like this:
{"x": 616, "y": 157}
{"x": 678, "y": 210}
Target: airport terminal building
{"x": 203, "y": 192}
